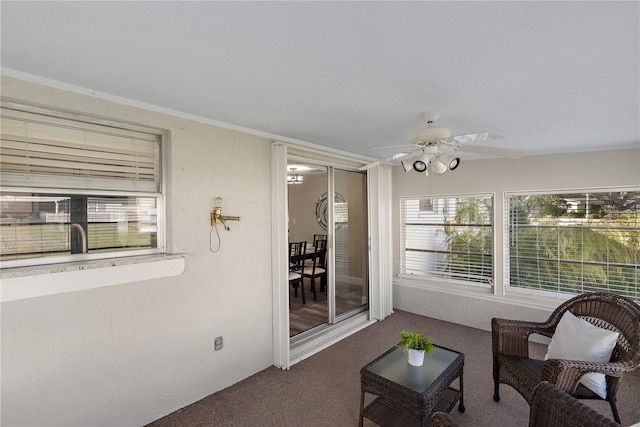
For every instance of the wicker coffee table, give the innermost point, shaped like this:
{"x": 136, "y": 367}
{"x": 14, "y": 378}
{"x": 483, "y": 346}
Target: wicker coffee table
{"x": 408, "y": 395}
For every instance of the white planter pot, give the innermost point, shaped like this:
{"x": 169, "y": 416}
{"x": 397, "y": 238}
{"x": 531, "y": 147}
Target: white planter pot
{"x": 416, "y": 357}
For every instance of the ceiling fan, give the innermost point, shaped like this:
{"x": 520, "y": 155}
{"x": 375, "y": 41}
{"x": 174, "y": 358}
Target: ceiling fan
{"x": 427, "y": 144}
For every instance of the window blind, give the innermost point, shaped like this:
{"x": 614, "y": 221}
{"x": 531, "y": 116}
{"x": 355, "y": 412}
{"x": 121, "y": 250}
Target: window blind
{"x": 449, "y": 237}
{"x": 39, "y": 151}
{"x": 575, "y": 243}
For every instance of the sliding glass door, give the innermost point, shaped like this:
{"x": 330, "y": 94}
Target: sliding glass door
{"x": 351, "y": 292}
{"x": 329, "y": 204}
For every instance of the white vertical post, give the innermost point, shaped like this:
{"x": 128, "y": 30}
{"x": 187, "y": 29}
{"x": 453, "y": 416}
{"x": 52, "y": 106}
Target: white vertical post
{"x": 279, "y": 257}
{"x": 380, "y": 253}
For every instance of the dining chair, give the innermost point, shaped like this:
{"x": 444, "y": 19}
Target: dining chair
{"x": 318, "y": 267}
{"x": 297, "y": 251}
{"x": 316, "y": 238}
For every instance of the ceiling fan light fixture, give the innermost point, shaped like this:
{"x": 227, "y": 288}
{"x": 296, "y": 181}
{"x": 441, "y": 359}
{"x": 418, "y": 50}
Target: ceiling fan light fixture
{"x": 421, "y": 164}
{"x": 450, "y": 161}
{"x": 438, "y": 167}
{"x": 429, "y": 141}
{"x": 294, "y": 178}
{"x": 407, "y": 165}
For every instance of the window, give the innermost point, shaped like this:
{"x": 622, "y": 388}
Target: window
{"x": 447, "y": 237}
{"x": 74, "y": 187}
{"x": 575, "y": 242}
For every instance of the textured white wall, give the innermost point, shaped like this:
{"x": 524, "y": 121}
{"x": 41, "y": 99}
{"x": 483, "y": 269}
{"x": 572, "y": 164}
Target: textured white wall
{"x": 129, "y": 354}
{"x": 473, "y": 306}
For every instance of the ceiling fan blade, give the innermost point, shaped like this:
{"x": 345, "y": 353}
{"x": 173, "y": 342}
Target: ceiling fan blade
{"x": 391, "y": 146}
{"x": 389, "y": 159}
{"x": 492, "y": 151}
{"x": 471, "y": 138}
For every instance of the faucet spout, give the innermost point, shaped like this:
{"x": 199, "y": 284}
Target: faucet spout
{"x": 83, "y": 235}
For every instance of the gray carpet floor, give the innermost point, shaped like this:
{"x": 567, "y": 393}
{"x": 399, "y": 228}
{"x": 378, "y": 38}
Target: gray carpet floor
{"x": 324, "y": 390}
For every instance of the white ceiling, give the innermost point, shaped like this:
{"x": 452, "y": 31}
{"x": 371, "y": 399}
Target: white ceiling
{"x": 549, "y": 76}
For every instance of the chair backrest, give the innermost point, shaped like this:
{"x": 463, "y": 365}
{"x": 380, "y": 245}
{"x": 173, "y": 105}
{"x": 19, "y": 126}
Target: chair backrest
{"x": 612, "y": 312}
{"x": 297, "y": 251}
{"x": 320, "y": 259}
{"x": 319, "y": 237}
{"x": 553, "y": 407}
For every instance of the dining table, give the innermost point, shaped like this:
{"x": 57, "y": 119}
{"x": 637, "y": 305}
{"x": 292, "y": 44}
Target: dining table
{"x": 310, "y": 251}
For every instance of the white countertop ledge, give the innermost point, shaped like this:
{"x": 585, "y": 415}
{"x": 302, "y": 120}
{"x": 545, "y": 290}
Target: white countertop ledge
{"x": 36, "y": 281}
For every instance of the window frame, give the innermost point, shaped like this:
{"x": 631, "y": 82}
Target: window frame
{"x": 159, "y": 196}
{"x": 506, "y": 240}
{"x": 427, "y": 278}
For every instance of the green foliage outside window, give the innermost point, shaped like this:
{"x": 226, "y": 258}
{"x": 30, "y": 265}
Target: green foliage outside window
{"x": 469, "y": 238}
{"x": 575, "y": 243}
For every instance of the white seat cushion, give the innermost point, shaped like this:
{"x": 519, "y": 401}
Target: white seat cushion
{"x": 293, "y": 275}
{"x": 309, "y": 270}
{"x": 577, "y": 339}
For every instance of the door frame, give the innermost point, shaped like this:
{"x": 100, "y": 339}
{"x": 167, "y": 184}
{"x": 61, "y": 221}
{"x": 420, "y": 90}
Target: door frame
{"x": 380, "y": 279}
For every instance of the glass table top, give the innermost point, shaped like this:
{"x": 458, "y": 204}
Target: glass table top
{"x": 395, "y": 367}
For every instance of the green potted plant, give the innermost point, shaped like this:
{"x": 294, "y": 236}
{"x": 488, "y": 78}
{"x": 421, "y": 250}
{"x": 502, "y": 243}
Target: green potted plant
{"x": 415, "y": 344}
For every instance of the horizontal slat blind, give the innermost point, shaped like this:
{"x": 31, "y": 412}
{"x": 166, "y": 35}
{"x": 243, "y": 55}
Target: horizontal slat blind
{"x": 39, "y": 151}
{"x": 449, "y": 237}
{"x": 575, "y": 243}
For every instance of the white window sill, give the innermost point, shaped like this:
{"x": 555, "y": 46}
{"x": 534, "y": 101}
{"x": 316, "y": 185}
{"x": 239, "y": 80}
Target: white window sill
{"x": 30, "y": 282}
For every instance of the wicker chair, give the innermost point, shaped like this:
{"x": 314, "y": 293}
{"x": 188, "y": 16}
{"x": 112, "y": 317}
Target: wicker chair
{"x": 510, "y": 346}
{"x": 552, "y": 407}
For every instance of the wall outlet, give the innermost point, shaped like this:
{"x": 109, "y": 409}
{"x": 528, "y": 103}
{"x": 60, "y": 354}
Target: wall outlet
{"x": 217, "y": 342}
